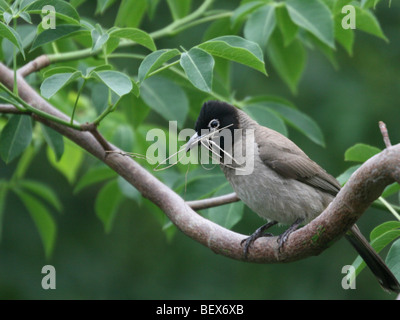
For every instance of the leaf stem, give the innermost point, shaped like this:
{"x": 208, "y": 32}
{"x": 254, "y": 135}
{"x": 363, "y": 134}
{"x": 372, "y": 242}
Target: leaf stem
{"x": 125, "y": 55}
{"x": 390, "y": 208}
{"x": 110, "y": 108}
{"x": 178, "y": 23}
{"x": 203, "y": 20}
{"x": 76, "y": 101}
{"x": 164, "y": 68}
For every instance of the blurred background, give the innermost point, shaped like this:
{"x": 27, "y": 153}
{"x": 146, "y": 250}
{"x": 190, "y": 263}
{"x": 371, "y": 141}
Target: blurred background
{"x": 137, "y": 261}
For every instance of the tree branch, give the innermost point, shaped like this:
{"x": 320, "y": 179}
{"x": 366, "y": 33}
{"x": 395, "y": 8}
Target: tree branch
{"x": 213, "y": 202}
{"x": 364, "y": 186}
{"x": 34, "y": 65}
{"x": 385, "y": 134}
{"x": 9, "y": 108}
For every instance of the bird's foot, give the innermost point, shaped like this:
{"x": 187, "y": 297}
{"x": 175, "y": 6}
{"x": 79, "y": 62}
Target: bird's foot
{"x": 284, "y": 236}
{"x": 257, "y": 234}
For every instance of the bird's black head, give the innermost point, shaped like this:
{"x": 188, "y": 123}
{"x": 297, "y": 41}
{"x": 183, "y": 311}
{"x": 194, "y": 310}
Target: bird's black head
{"x": 218, "y": 117}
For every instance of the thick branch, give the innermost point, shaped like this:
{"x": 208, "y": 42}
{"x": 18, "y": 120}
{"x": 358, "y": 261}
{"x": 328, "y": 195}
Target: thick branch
{"x": 365, "y": 186}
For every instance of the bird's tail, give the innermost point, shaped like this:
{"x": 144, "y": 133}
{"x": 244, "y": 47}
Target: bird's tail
{"x": 378, "y": 267}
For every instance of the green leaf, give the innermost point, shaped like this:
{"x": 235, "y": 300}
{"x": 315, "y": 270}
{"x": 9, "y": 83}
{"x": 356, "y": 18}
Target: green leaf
{"x": 135, "y": 35}
{"x": 98, "y": 38}
{"x": 107, "y": 202}
{"x": 390, "y": 189}
{"x": 55, "y": 70}
{"x": 266, "y": 117}
{"x": 179, "y": 8}
{"x": 314, "y": 16}
{"x": 50, "y": 35}
{"x": 288, "y": 28}
{"x": 4, "y": 5}
{"x": 54, "y": 140}
{"x": 102, "y": 67}
{"x": 43, "y": 220}
{"x": 226, "y": 215}
{"x": 260, "y": 25}
{"x": 130, "y": 13}
{"x": 15, "y": 137}
{"x": 152, "y": 8}
{"x": 393, "y": 259}
{"x": 370, "y": 3}
{"x": 380, "y": 242}
{"x": 117, "y": 81}
{"x": 129, "y": 191}
{"x": 26, "y": 33}
{"x": 155, "y": 60}
{"x": 123, "y": 137}
{"x": 344, "y": 36}
{"x": 384, "y": 228}
{"x": 43, "y": 191}
{"x": 24, "y": 3}
{"x": 94, "y": 175}
{"x": 10, "y": 34}
{"x": 76, "y": 3}
{"x": 103, "y": 5}
{"x": 26, "y": 17}
{"x": 112, "y": 44}
{"x": 366, "y": 21}
{"x": 218, "y": 28}
{"x": 301, "y": 122}
{"x": 347, "y": 174}
{"x": 236, "y": 49}
{"x": 360, "y": 152}
{"x": 166, "y": 98}
{"x": 242, "y": 11}
{"x": 135, "y": 88}
{"x": 7, "y": 17}
{"x": 198, "y": 66}
{"x": 201, "y": 186}
{"x": 51, "y": 85}
{"x": 62, "y": 10}
{"x": 69, "y": 163}
{"x": 384, "y": 239}
{"x": 289, "y": 61}
{"x": 293, "y": 117}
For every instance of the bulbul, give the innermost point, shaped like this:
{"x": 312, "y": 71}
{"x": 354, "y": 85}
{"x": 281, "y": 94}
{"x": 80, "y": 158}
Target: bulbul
{"x": 283, "y": 185}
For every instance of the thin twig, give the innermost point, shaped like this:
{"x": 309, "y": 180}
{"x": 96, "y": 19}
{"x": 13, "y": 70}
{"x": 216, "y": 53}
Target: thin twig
{"x": 385, "y": 134}
{"x": 8, "y": 108}
{"x": 213, "y": 202}
{"x": 34, "y": 65}
{"x": 106, "y": 146}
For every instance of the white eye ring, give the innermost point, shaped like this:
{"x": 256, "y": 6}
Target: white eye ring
{"x": 213, "y": 124}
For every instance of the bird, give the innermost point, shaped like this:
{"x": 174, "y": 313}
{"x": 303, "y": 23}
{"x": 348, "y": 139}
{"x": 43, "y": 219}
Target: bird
{"x": 282, "y": 185}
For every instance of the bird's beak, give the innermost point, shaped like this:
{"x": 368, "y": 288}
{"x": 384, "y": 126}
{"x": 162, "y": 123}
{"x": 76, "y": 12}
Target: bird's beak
{"x": 193, "y": 141}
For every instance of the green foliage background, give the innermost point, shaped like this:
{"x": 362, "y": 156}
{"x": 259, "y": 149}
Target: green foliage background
{"x": 142, "y": 256}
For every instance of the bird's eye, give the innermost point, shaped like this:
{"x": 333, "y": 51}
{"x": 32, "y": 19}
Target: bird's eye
{"x": 213, "y": 124}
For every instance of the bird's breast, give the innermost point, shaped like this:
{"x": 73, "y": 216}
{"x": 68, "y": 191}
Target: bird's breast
{"x": 274, "y": 197}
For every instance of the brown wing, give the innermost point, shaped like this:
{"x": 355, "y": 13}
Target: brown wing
{"x": 286, "y": 158}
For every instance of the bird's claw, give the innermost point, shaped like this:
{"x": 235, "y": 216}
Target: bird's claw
{"x": 249, "y": 241}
